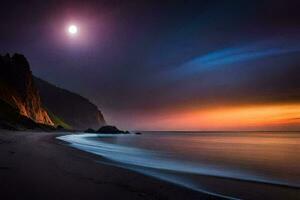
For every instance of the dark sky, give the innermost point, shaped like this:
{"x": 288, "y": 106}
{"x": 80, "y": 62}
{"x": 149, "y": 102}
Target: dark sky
{"x": 141, "y": 59}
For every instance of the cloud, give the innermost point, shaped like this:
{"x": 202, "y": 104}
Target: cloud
{"x": 235, "y": 55}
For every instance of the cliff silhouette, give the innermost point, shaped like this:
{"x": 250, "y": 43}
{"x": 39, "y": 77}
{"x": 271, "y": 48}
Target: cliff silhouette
{"x": 29, "y": 102}
{"x": 18, "y": 91}
{"x": 75, "y": 110}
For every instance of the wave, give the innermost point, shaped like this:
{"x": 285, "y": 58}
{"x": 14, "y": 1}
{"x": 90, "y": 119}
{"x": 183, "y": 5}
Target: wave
{"x": 158, "y": 164}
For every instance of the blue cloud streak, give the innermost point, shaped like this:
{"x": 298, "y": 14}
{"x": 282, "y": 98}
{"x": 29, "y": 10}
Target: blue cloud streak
{"x": 236, "y": 55}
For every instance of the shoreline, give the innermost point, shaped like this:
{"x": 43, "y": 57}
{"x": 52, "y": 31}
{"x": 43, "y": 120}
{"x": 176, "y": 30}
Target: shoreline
{"x": 217, "y": 186}
{"x": 38, "y": 166}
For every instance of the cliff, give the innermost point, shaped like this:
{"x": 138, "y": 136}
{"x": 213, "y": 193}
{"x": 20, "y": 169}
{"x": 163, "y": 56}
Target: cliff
{"x": 73, "y": 109}
{"x": 18, "y": 92}
{"x": 27, "y": 102}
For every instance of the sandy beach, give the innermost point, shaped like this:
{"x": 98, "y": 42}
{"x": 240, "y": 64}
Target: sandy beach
{"x": 35, "y": 165}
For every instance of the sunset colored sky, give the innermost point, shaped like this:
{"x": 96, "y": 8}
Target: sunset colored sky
{"x": 168, "y": 65}
{"x": 241, "y": 117}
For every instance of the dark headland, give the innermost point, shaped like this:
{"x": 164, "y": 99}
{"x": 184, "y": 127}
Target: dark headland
{"x": 27, "y": 102}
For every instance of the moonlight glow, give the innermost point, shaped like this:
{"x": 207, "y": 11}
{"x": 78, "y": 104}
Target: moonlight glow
{"x": 72, "y": 29}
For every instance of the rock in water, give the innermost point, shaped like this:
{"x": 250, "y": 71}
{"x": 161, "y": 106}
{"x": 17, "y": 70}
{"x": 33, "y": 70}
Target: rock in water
{"x": 111, "y": 129}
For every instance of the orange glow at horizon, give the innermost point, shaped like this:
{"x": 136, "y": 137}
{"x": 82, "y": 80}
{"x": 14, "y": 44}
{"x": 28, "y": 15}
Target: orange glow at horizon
{"x": 246, "y": 117}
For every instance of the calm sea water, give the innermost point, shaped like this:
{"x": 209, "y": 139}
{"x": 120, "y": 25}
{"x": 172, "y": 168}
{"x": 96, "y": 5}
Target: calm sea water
{"x": 246, "y": 165}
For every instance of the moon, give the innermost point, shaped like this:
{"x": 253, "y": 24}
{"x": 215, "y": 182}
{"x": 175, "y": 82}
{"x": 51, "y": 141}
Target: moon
{"x": 72, "y": 29}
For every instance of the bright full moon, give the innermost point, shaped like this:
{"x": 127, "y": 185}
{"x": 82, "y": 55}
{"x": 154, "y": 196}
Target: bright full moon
{"x": 73, "y": 29}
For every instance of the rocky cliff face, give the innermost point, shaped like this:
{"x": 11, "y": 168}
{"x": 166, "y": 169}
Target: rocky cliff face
{"x": 18, "y": 90}
{"x": 29, "y": 102}
{"x": 73, "y": 109}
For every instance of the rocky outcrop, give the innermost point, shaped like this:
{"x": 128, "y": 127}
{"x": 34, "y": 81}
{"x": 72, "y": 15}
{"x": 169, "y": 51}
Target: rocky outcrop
{"x": 107, "y": 130}
{"x": 75, "y": 110}
{"x": 17, "y": 89}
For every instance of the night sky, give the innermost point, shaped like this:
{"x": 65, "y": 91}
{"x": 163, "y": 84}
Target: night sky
{"x": 167, "y": 65}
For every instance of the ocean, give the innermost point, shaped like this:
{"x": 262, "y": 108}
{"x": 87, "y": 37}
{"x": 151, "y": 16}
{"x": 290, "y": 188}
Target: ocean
{"x": 233, "y": 165}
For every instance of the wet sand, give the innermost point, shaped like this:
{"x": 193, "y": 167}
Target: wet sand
{"x": 35, "y": 165}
